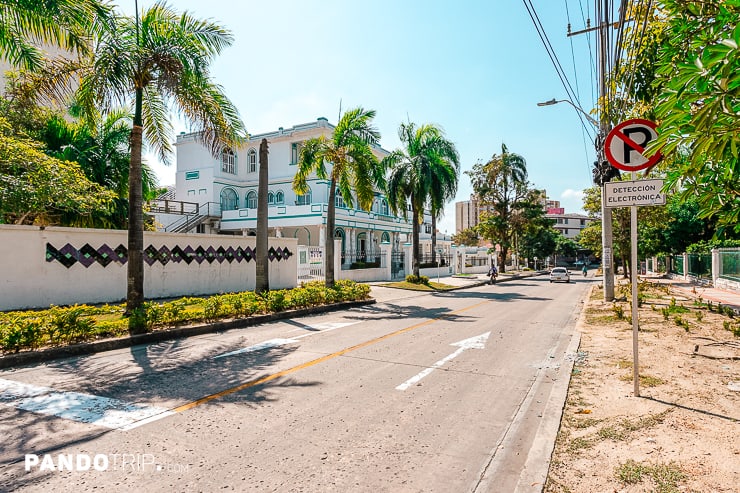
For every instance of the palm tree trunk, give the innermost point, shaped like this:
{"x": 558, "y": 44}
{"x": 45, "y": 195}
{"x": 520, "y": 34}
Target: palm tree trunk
{"x": 415, "y": 239}
{"x": 329, "y": 237}
{"x": 135, "y": 271}
{"x": 262, "y": 281}
{"x": 434, "y": 237}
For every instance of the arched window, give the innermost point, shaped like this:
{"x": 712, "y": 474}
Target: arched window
{"x": 252, "y": 161}
{"x": 339, "y": 200}
{"x": 385, "y": 237}
{"x": 229, "y": 200}
{"x": 228, "y": 161}
{"x": 303, "y": 199}
{"x": 251, "y": 199}
{"x": 280, "y": 197}
{"x": 270, "y": 198}
{"x": 384, "y": 207}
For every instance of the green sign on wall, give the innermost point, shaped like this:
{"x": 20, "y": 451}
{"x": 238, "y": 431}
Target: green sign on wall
{"x": 192, "y": 175}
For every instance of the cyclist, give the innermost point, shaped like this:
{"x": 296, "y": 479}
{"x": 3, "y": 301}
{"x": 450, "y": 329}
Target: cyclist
{"x": 493, "y": 273}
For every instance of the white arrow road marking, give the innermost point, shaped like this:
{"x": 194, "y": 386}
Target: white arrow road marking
{"x": 477, "y": 342}
{"x": 318, "y": 328}
{"x": 76, "y": 406}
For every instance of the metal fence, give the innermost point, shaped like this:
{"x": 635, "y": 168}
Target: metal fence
{"x": 700, "y": 265}
{"x": 362, "y": 260}
{"x": 426, "y": 260}
{"x": 729, "y": 261}
{"x": 398, "y": 270}
{"x": 310, "y": 263}
{"x": 677, "y": 264}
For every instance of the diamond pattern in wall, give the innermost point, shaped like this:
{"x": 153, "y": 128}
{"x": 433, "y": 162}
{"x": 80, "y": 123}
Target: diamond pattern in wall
{"x": 68, "y": 255}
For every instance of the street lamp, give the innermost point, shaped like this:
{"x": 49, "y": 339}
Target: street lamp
{"x": 599, "y": 178}
{"x": 591, "y": 120}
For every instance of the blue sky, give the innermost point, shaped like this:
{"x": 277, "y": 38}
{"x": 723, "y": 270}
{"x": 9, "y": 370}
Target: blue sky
{"x": 476, "y": 68}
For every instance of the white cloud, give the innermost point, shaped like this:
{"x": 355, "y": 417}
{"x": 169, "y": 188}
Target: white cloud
{"x": 569, "y": 193}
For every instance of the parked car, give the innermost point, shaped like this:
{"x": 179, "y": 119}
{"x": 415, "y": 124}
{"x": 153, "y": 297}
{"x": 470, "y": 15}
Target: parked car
{"x": 559, "y": 274}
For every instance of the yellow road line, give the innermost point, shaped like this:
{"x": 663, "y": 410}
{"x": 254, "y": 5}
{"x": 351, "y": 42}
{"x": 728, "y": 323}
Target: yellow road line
{"x": 316, "y": 361}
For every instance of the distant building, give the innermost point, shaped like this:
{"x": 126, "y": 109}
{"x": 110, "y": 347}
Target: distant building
{"x": 569, "y": 225}
{"x": 467, "y": 215}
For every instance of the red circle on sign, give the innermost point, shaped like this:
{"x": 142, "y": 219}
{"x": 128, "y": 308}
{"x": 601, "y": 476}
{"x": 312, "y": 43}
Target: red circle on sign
{"x": 616, "y": 133}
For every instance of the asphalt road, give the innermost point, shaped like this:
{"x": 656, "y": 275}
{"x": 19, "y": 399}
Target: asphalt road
{"x": 418, "y": 393}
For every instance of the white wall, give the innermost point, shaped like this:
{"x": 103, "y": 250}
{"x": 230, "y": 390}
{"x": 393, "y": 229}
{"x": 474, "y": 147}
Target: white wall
{"x": 30, "y": 281}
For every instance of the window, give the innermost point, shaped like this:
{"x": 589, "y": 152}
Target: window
{"x": 251, "y": 200}
{"x": 565, "y": 232}
{"x": 560, "y": 220}
{"x": 303, "y": 199}
{"x": 384, "y": 207}
{"x": 229, "y": 200}
{"x": 280, "y": 197}
{"x": 202, "y": 191}
{"x": 295, "y": 152}
{"x": 385, "y": 237}
{"x": 228, "y": 161}
{"x": 428, "y": 228}
{"x": 583, "y": 222}
{"x": 252, "y": 161}
{"x": 270, "y": 198}
{"x": 191, "y": 192}
{"x": 339, "y": 200}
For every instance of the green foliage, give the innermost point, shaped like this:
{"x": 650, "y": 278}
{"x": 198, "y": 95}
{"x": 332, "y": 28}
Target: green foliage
{"x": 467, "y": 237}
{"x": 698, "y": 71}
{"x": 417, "y": 279}
{"x": 80, "y": 323}
{"x": 37, "y": 188}
{"x": 425, "y": 172}
{"x": 618, "y": 311}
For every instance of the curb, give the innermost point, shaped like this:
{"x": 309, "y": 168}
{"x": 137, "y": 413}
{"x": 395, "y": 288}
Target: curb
{"x": 537, "y": 466}
{"x": 30, "y": 357}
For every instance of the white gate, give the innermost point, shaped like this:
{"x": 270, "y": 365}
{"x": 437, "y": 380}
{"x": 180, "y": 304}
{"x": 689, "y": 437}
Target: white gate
{"x": 310, "y": 263}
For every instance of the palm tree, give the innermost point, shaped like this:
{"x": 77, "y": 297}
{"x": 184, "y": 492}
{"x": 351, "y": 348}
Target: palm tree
{"x": 354, "y": 167}
{"x": 101, "y": 148}
{"x": 500, "y": 183}
{"x": 66, "y": 24}
{"x": 426, "y": 171}
{"x": 158, "y": 62}
{"x": 262, "y": 273}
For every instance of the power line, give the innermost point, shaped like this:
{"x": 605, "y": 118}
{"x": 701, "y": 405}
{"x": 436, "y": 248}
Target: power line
{"x": 554, "y": 59}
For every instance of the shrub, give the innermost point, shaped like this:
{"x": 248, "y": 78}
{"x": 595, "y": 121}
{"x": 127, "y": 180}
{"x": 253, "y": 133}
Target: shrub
{"x": 20, "y": 332}
{"x": 69, "y": 325}
{"x": 417, "y": 279}
{"x": 618, "y": 311}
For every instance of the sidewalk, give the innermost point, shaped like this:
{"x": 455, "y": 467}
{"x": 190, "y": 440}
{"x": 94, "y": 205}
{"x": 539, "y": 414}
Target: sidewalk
{"x": 706, "y": 293}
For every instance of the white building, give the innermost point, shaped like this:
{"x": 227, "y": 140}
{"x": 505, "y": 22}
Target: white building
{"x": 219, "y": 195}
{"x": 570, "y": 225}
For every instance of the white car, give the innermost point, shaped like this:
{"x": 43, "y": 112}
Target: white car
{"x": 559, "y": 274}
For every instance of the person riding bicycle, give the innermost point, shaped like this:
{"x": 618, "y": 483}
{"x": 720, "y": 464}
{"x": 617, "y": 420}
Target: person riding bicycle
{"x": 493, "y": 273}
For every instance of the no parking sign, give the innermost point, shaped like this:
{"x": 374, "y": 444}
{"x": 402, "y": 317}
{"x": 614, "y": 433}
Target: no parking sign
{"x": 625, "y": 145}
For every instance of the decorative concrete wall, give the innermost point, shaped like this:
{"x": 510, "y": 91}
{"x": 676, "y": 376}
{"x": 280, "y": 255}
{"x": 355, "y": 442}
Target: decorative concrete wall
{"x": 64, "y": 266}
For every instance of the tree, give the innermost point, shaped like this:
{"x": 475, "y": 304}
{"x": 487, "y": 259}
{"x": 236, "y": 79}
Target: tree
{"x": 101, "y": 148}
{"x": 36, "y": 188}
{"x": 467, "y": 237}
{"x": 262, "y": 277}
{"x": 67, "y": 24}
{"x": 501, "y": 184}
{"x": 698, "y": 70}
{"x": 157, "y": 63}
{"x": 537, "y": 237}
{"x": 425, "y": 171}
{"x": 354, "y": 167}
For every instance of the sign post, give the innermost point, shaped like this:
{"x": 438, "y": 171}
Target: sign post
{"x": 625, "y": 149}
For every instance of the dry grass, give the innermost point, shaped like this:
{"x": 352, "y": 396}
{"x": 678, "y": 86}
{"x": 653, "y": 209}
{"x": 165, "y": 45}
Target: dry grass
{"x": 681, "y": 433}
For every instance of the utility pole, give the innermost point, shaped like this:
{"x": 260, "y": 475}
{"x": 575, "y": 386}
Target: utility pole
{"x": 603, "y": 171}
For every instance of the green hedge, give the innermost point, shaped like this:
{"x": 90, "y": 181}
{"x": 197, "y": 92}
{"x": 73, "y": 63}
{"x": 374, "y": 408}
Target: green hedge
{"x": 80, "y": 323}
